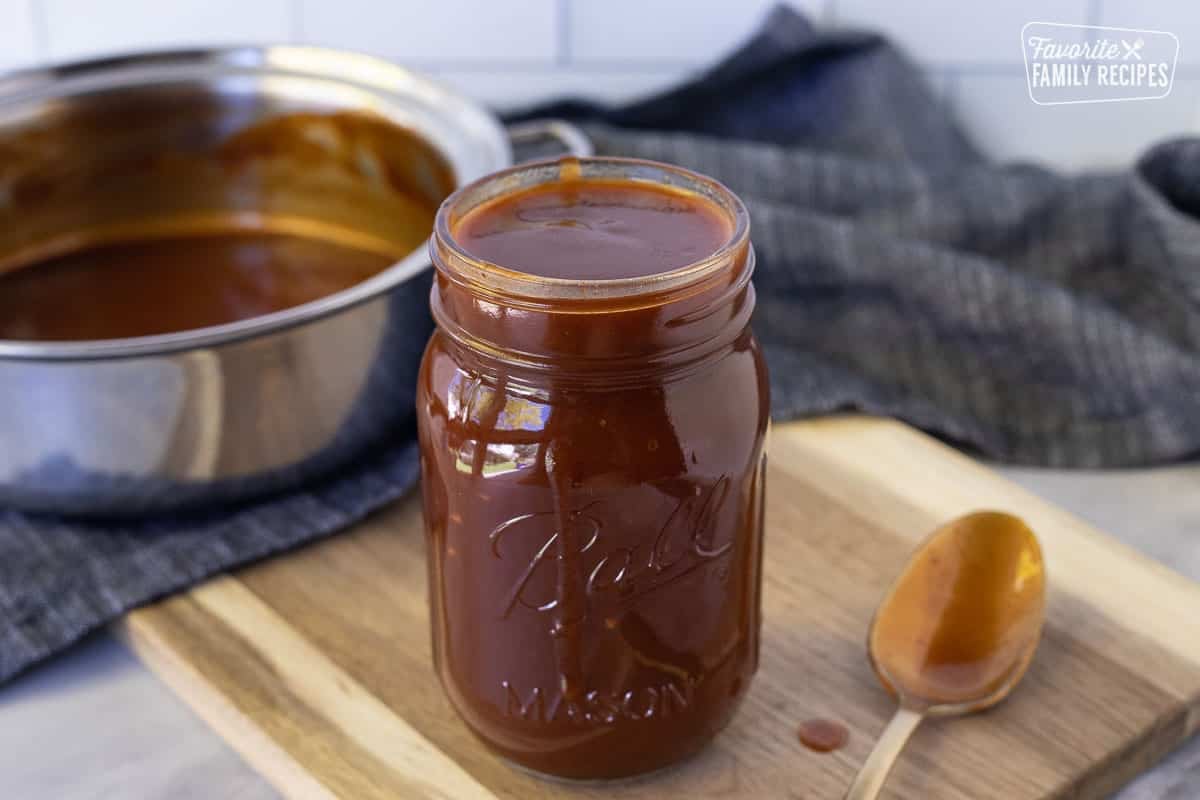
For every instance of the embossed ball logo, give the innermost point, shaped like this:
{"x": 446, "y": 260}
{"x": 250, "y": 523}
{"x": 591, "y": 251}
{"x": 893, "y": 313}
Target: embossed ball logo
{"x": 683, "y": 543}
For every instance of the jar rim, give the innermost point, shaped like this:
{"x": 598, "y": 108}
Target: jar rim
{"x": 495, "y": 277}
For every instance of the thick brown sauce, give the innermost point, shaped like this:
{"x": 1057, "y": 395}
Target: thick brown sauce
{"x": 822, "y": 735}
{"x": 965, "y": 613}
{"x": 173, "y": 283}
{"x": 591, "y": 229}
{"x": 595, "y": 546}
{"x": 582, "y": 230}
{"x": 132, "y": 215}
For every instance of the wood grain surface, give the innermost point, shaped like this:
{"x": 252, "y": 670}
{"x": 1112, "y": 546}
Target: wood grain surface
{"x": 316, "y": 666}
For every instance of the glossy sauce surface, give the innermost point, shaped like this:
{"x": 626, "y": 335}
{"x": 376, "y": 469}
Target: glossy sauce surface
{"x": 173, "y": 283}
{"x": 147, "y": 213}
{"x": 594, "y": 533}
{"x": 962, "y": 619}
{"x": 594, "y": 230}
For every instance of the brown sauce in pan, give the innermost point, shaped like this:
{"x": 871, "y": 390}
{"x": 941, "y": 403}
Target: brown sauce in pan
{"x": 134, "y": 217}
{"x": 173, "y": 283}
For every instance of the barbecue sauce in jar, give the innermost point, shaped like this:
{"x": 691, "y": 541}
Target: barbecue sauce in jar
{"x": 592, "y": 412}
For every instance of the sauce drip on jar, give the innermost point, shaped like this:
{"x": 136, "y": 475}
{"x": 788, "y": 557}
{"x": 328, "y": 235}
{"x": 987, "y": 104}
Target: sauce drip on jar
{"x": 592, "y": 458}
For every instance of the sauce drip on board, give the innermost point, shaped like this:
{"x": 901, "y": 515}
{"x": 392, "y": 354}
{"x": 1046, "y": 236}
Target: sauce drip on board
{"x": 570, "y": 603}
{"x": 611, "y": 625}
{"x": 961, "y": 621}
{"x": 822, "y": 735}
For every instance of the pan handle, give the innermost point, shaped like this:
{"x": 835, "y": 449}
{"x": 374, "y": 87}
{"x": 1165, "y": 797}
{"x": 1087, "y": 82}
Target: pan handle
{"x": 573, "y": 140}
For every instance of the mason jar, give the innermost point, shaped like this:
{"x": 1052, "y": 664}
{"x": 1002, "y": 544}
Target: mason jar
{"x": 593, "y": 469}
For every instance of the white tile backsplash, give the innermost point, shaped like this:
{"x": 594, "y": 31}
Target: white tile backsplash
{"x": 77, "y": 28}
{"x": 17, "y": 34}
{"x": 681, "y": 31}
{"x": 446, "y": 31}
{"x": 960, "y": 31}
{"x": 514, "y": 52}
{"x": 512, "y": 89}
{"x": 999, "y": 115}
{"x": 1181, "y": 19}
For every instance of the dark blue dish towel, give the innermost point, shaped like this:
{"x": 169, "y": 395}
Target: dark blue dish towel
{"x": 1034, "y": 317}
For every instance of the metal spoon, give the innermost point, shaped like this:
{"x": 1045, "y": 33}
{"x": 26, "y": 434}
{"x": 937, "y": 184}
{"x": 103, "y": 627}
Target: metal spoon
{"x": 957, "y": 629}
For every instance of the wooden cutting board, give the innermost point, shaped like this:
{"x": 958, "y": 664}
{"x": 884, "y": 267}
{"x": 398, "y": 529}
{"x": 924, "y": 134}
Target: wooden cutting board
{"x": 316, "y": 666}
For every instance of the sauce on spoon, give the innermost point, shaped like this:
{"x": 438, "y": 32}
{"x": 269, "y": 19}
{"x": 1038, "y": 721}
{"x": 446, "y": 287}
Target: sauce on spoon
{"x": 961, "y": 621}
{"x": 957, "y": 629}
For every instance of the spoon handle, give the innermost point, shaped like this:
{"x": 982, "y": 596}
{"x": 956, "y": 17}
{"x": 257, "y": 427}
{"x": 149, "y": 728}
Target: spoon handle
{"x": 874, "y": 772}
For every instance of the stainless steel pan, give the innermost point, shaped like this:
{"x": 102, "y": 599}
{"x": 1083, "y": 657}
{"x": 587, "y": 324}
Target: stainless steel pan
{"x": 218, "y": 414}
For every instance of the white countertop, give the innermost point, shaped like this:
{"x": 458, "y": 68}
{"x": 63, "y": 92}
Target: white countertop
{"x": 96, "y": 724}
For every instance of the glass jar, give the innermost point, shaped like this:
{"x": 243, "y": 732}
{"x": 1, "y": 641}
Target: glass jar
{"x": 592, "y": 462}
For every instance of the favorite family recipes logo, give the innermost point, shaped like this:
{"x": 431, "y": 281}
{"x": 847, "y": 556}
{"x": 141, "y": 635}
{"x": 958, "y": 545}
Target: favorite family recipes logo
{"x": 1093, "y": 64}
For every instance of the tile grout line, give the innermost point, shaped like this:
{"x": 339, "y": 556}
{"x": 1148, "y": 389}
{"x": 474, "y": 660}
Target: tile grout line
{"x": 828, "y": 16}
{"x": 41, "y": 30}
{"x": 563, "y": 32}
{"x": 1094, "y": 13}
{"x": 535, "y": 67}
{"x": 660, "y": 67}
{"x": 949, "y": 96}
{"x": 295, "y": 21}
